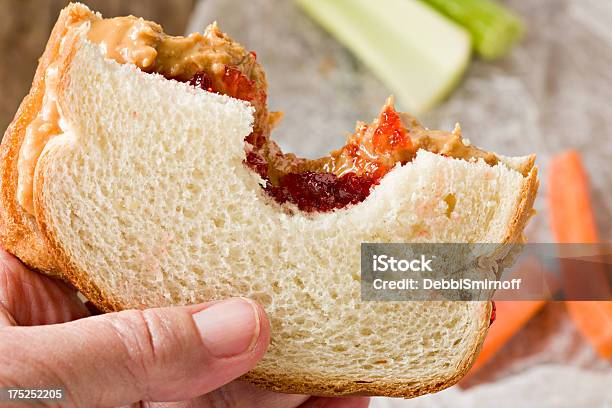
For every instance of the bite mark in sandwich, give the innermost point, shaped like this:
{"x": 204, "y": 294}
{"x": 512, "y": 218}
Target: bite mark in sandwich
{"x": 214, "y": 62}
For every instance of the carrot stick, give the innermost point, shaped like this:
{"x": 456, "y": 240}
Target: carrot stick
{"x": 512, "y": 315}
{"x": 573, "y": 221}
{"x": 569, "y": 201}
{"x": 594, "y": 321}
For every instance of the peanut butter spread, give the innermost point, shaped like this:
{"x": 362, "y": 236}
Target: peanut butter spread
{"x": 38, "y": 133}
{"x": 216, "y": 63}
{"x": 375, "y": 148}
{"x": 144, "y": 43}
{"x": 131, "y": 40}
{"x": 44, "y": 126}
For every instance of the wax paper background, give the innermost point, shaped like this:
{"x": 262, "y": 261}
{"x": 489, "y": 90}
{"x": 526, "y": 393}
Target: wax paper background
{"x": 552, "y": 93}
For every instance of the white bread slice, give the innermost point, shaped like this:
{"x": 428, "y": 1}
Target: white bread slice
{"x": 145, "y": 201}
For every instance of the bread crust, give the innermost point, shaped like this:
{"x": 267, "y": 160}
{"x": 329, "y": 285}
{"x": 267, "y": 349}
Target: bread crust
{"x": 18, "y": 231}
{"x": 33, "y": 241}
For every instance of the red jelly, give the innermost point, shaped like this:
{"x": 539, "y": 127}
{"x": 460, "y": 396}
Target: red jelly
{"x": 202, "y": 80}
{"x": 375, "y": 149}
{"x": 390, "y": 134}
{"x": 257, "y": 163}
{"x": 312, "y": 191}
{"x": 233, "y": 83}
{"x": 238, "y": 85}
{"x": 493, "y": 314}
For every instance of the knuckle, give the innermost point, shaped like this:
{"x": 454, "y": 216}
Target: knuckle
{"x": 138, "y": 334}
{"x": 134, "y": 347}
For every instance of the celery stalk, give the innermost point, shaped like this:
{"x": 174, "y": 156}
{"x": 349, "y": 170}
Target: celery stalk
{"x": 418, "y": 53}
{"x": 494, "y": 29}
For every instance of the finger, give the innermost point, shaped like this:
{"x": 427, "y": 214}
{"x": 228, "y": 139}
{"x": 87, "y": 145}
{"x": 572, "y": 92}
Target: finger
{"x": 33, "y": 299}
{"x": 165, "y": 354}
{"x": 339, "y": 402}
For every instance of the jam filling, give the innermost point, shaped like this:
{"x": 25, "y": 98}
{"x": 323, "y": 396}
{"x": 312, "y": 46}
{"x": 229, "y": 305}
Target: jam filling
{"x": 312, "y": 191}
{"x": 493, "y": 314}
{"x": 374, "y": 149}
{"x": 344, "y": 178}
{"x": 233, "y": 83}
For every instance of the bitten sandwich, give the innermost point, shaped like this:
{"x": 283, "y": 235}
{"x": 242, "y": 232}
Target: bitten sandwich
{"x": 140, "y": 169}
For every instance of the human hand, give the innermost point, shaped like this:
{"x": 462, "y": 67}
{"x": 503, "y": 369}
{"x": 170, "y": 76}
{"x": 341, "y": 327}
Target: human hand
{"x": 192, "y": 354}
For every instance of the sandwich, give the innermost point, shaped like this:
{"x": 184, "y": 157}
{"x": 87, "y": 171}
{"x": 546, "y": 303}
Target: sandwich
{"x": 140, "y": 169}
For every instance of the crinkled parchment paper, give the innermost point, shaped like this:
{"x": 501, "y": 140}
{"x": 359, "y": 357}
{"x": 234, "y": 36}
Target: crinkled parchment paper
{"x": 552, "y": 93}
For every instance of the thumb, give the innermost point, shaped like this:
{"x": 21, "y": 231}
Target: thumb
{"x": 164, "y": 354}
